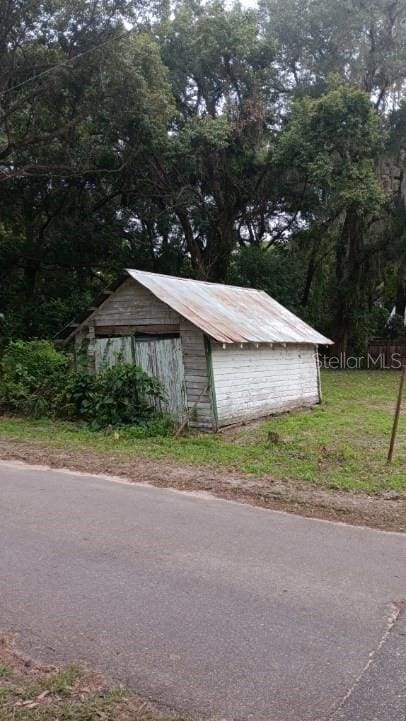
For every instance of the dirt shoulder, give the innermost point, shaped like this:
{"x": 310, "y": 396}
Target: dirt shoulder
{"x": 386, "y": 511}
{"x": 30, "y": 691}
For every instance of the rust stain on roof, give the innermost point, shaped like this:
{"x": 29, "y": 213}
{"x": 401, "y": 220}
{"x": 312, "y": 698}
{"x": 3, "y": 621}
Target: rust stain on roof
{"x": 227, "y": 313}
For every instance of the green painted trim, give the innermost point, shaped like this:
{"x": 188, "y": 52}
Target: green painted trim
{"x": 210, "y": 376}
{"x": 317, "y": 359}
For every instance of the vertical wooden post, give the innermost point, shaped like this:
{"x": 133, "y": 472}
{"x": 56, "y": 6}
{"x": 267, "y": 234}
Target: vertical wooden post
{"x": 318, "y": 373}
{"x": 397, "y": 412}
{"x": 211, "y": 385}
{"x": 78, "y": 350}
{"x": 91, "y": 349}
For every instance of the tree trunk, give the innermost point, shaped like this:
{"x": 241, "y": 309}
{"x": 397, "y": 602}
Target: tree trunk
{"x": 220, "y": 245}
{"x": 348, "y": 280}
{"x": 401, "y": 292}
{"x": 196, "y": 255}
{"x": 311, "y": 269}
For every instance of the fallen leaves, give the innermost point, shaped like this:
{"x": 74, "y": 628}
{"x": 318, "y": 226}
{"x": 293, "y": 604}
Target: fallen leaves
{"x": 33, "y": 703}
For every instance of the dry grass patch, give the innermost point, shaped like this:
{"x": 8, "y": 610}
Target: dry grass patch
{"x": 30, "y": 692}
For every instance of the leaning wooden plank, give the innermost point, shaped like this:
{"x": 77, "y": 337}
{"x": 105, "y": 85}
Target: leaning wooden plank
{"x": 190, "y": 412}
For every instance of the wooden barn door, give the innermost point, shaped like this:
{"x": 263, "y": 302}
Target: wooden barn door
{"x": 159, "y": 357}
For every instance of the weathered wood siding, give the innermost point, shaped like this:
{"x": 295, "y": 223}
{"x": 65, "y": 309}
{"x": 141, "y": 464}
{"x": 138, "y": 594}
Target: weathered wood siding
{"x": 197, "y": 377}
{"x": 159, "y": 357}
{"x": 252, "y": 382}
{"x": 132, "y": 304}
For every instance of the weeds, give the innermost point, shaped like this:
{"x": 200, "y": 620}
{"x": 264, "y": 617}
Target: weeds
{"x": 341, "y": 444}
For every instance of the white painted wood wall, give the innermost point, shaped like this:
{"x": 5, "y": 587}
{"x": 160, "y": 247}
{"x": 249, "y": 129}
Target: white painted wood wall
{"x": 252, "y": 382}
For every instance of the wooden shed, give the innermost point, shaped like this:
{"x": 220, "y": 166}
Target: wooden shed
{"x": 223, "y": 354}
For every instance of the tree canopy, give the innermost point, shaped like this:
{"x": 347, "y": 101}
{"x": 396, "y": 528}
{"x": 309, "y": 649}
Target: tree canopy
{"x": 263, "y": 146}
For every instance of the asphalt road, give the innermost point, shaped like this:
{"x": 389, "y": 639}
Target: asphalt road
{"x": 207, "y": 606}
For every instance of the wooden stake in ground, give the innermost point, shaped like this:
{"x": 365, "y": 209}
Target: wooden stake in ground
{"x": 397, "y": 412}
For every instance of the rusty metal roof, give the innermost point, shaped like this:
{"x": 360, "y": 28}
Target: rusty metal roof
{"x": 227, "y": 313}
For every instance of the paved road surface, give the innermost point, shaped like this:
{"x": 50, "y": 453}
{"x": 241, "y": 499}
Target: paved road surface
{"x": 215, "y": 608}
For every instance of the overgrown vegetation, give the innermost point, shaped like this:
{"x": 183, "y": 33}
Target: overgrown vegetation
{"x": 121, "y": 395}
{"x": 341, "y": 444}
{"x": 37, "y": 381}
{"x": 32, "y": 377}
{"x": 263, "y": 146}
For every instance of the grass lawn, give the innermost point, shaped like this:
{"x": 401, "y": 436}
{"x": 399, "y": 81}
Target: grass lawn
{"x": 341, "y": 444}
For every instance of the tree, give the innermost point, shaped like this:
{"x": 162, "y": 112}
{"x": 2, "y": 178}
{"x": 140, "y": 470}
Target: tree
{"x": 329, "y": 149}
{"x": 66, "y": 150}
{"x": 212, "y": 172}
{"x": 265, "y": 146}
{"x": 362, "y": 41}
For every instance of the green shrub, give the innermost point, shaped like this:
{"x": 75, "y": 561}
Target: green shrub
{"x": 32, "y": 374}
{"x": 117, "y": 396}
{"x": 35, "y": 380}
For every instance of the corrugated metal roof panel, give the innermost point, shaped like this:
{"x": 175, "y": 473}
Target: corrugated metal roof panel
{"x": 227, "y": 313}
